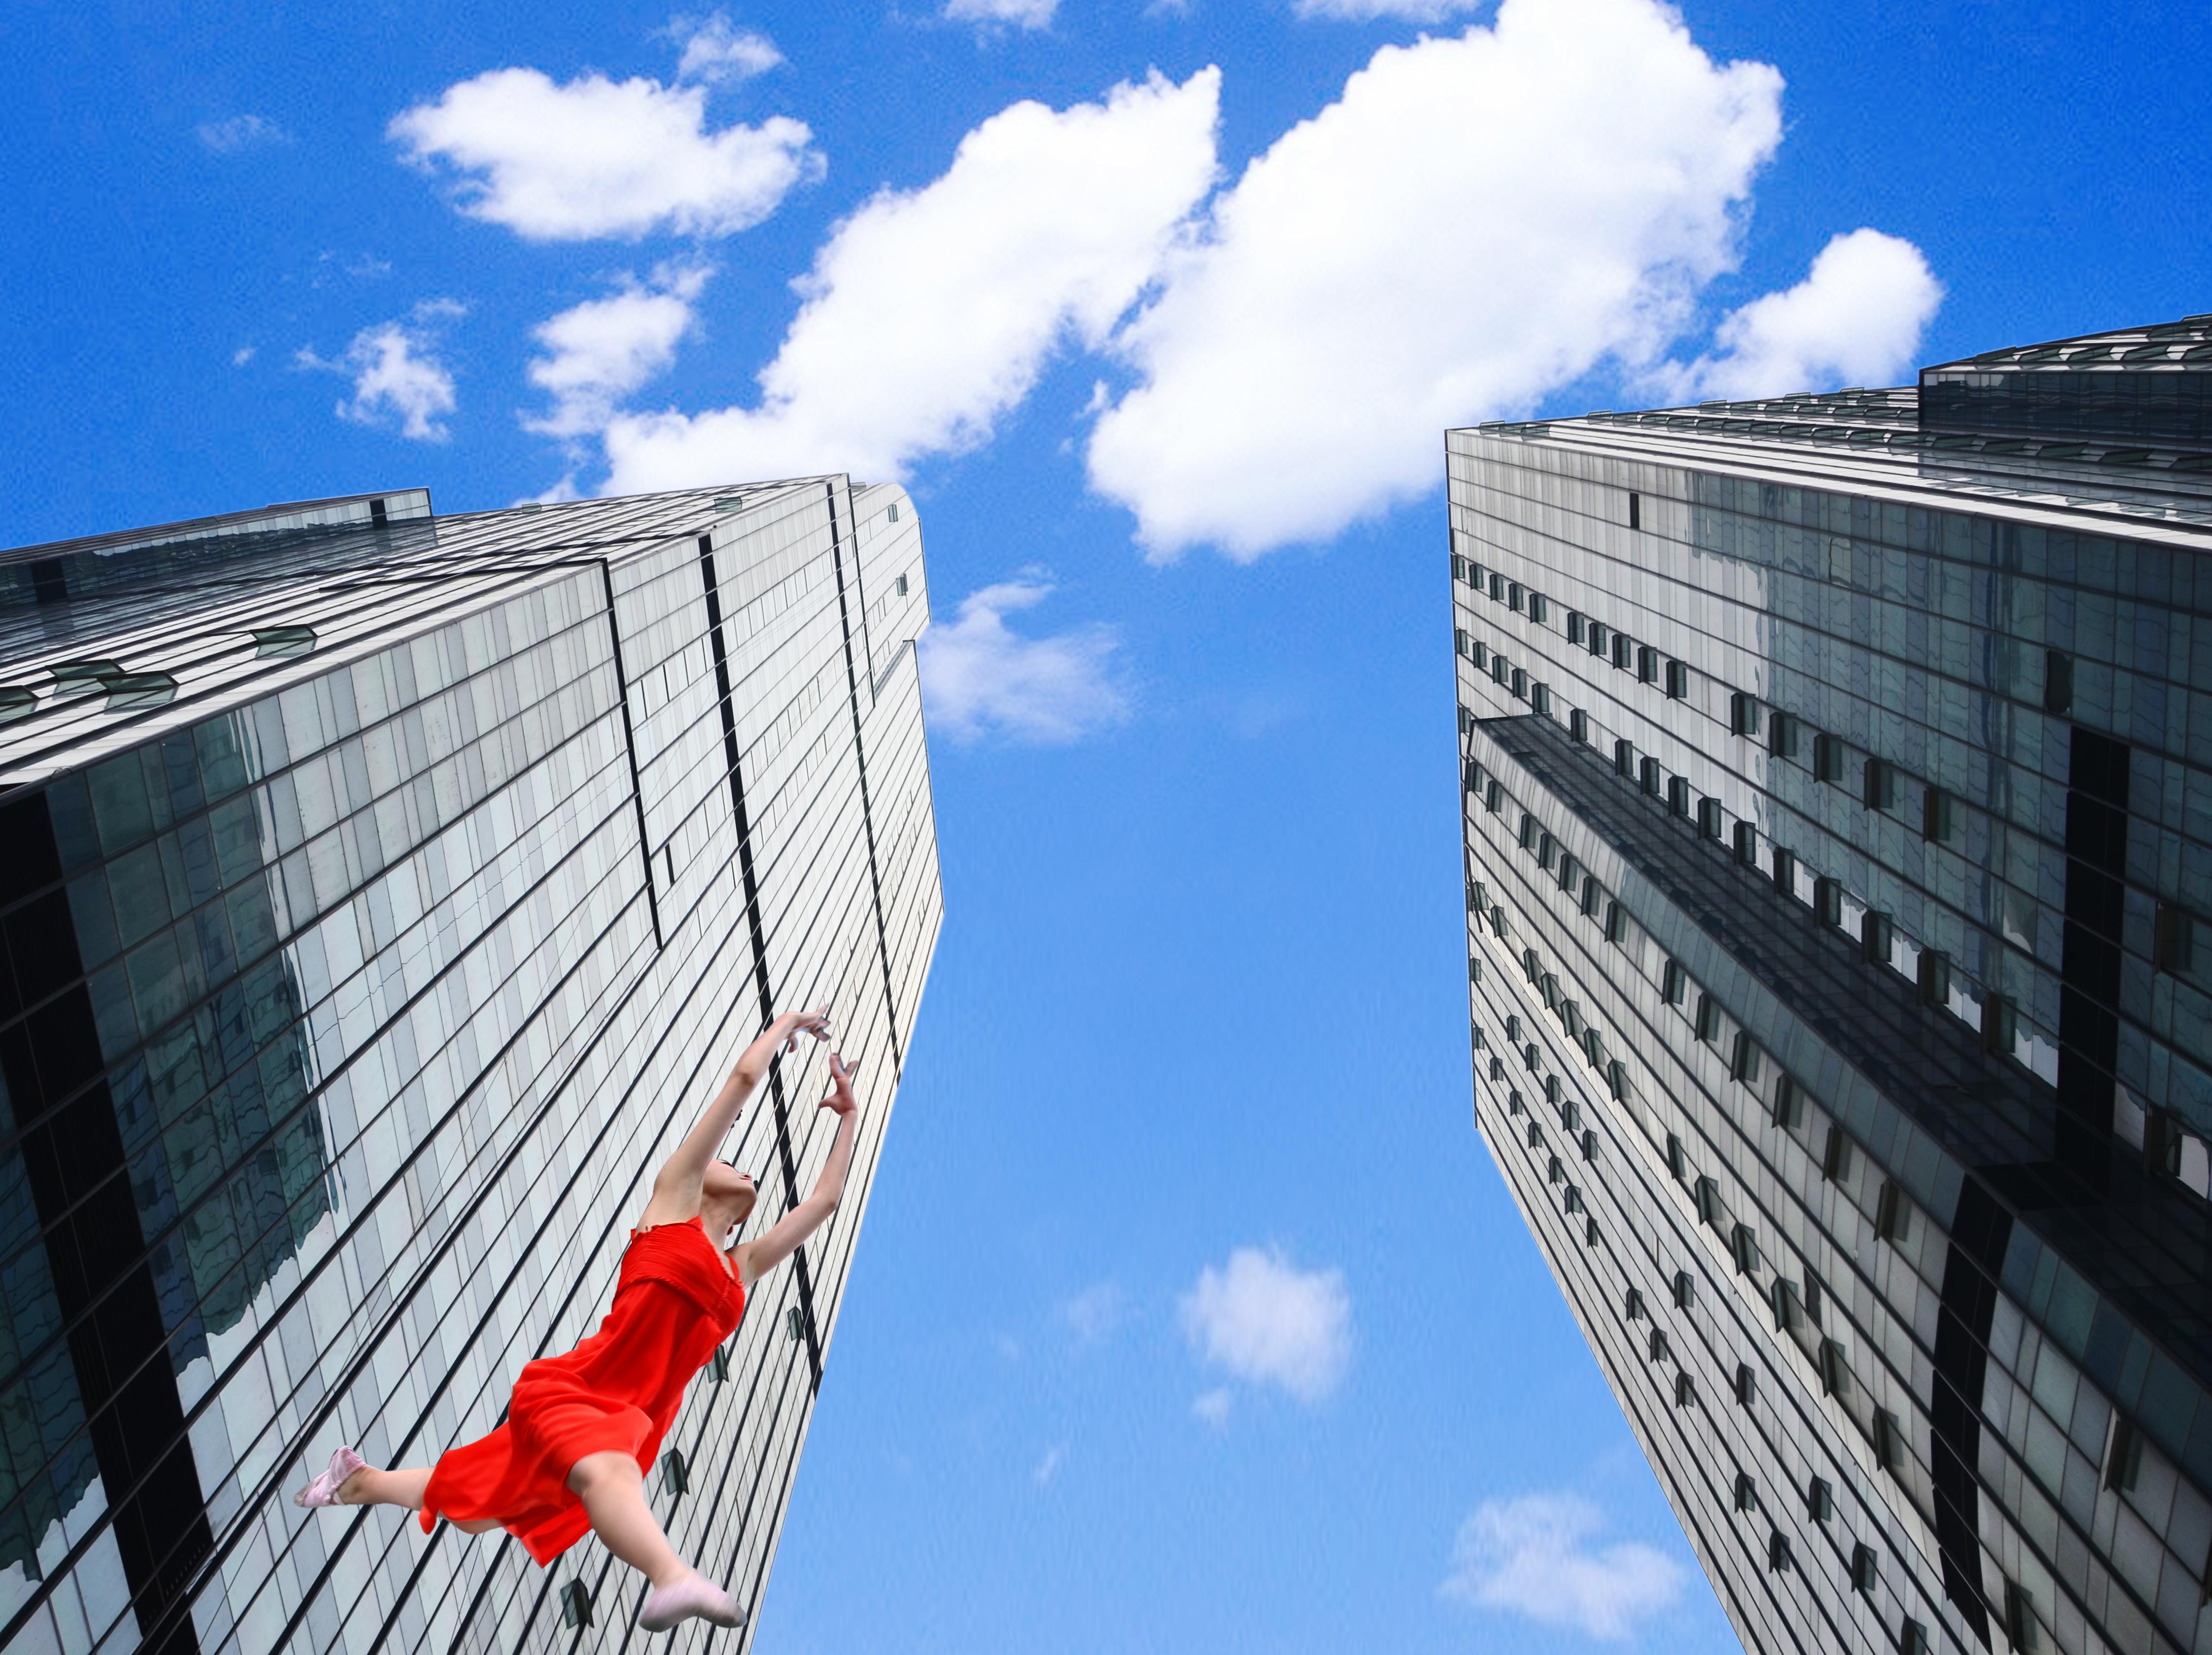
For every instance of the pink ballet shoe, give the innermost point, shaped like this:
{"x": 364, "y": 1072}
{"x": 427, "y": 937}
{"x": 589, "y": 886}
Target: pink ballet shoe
{"x": 685, "y": 1597}
{"x": 324, "y": 1490}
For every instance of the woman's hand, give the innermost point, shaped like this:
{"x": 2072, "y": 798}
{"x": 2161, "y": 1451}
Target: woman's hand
{"x": 792, "y": 1024}
{"x": 840, "y": 1098}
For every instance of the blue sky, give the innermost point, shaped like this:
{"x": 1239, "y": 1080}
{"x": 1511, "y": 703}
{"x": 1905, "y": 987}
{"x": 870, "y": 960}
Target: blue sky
{"x": 1191, "y": 1313}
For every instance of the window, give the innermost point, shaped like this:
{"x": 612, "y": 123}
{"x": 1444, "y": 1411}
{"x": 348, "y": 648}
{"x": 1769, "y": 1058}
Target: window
{"x": 720, "y": 1365}
{"x": 1685, "y": 1390}
{"x": 1888, "y": 1439}
{"x": 1913, "y": 1640}
{"x": 576, "y": 1603}
{"x": 1547, "y": 850}
{"x": 1572, "y": 1201}
{"x": 1500, "y": 668}
{"x": 1528, "y": 831}
{"x": 1685, "y": 1291}
{"x": 1590, "y": 894}
{"x": 1746, "y": 1491}
{"x": 1709, "y": 1202}
{"x": 1493, "y": 796}
{"x": 1782, "y": 736}
{"x": 1745, "y": 1062}
{"x": 1788, "y": 1103}
{"x": 1938, "y": 817}
{"x": 1892, "y": 1213}
{"x": 1589, "y": 1232}
{"x": 1574, "y": 626}
{"x": 2020, "y": 1617}
{"x": 2058, "y": 683}
{"x": 1513, "y": 595}
{"x": 1616, "y": 1077}
{"x": 2122, "y": 1453}
{"x": 1589, "y": 1147}
{"x": 1785, "y": 870}
{"x": 1828, "y": 901}
{"x": 1708, "y": 1018}
{"x": 1864, "y": 1572}
{"x": 1674, "y": 982}
{"x": 1835, "y": 1371}
{"x": 1820, "y": 1500}
{"x": 1747, "y": 844}
{"x": 1520, "y": 683}
{"x": 1624, "y": 758}
{"x": 675, "y": 1476}
{"x": 890, "y": 514}
{"x": 1657, "y": 1347}
{"x": 2000, "y": 1025}
{"x": 1678, "y": 680}
{"x": 1678, "y": 794}
{"x": 1476, "y": 652}
{"x": 1600, "y": 638}
{"x": 1836, "y": 1156}
{"x": 1540, "y": 699}
{"x": 1935, "y": 976}
{"x": 1743, "y": 714}
{"x": 1556, "y": 1173}
{"x": 1634, "y": 1309}
{"x": 1881, "y": 784}
{"x": 1777, "y": 1552}
{"x": 1569, "y": 872}
{"x": 1496, "y": 587}
{"x": 1616, "y": 922}
{"x": 1747, "y": 1387}
{"x": 1788, "y": 1317}
{"x": 1709, "y": 817}
{"x": 1648, "y": 776}
{"x": 1513, "y": 1028}
{"x": 1876, "y": 934}
{"x": 1477, "y": 576}
{"x": 1578, "y": 725}
{"x": 1743, "y": 1242}
{"x": 1624, "y": 651}
{"x": 1635, "y": 510}
{"x": 794, "y": 1324}
{"x": 898, "y": 587}
{"x": 1647, "y": 663}
{"x": 1462, "y": 642}
{"x": 2173, "y": 941}
{"x": 1677, "y": 1162}
{"x": 1828, "y": 759}
{"x": 1537, "y": 607}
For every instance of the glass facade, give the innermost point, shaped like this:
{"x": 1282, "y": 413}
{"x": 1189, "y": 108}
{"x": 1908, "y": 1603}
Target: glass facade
{"x": 1838, "y": 784}
{"x": 382, "y": 895}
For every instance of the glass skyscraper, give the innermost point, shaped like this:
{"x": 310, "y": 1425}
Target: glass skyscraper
{"x": 1838, "y": 804}
{"x": 383, "y": 894}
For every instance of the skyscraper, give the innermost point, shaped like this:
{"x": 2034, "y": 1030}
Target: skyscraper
{"x": 383, "y": 894}
{"x": 1837, "y": 787}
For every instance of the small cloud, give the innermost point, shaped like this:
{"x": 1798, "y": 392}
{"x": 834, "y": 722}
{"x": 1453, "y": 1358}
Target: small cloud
{"x": 1529, "y": 1557}
{"x": 1020, "y": 14}
{"x": 241, "y": 356}
{"x": 1049, "y": 1463}
{"x": 597, "y": 353}
{"x": 1095, "y": 1312}
{"x": 595, "y": 157}
{"x": 981, "y": 678}
{"x": 1856, "y": 318}
{"x": 1214, "y": 1407}
{"x": 395, "y": 373}
{"x": 1269, "y": 1323}
{"x": 228, "y": 137}
{"x": 717, "y": 51}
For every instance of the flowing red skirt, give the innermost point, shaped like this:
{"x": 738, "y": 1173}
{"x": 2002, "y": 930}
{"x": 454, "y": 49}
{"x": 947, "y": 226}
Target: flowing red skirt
{"x": 618, "y": 1390}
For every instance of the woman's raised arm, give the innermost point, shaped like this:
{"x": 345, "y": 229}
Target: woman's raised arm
{"x": 676, "y": 1186}
{"x": 782, "y": 1239}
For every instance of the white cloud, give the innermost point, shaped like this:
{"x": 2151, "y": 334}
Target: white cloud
{"x": 241, "y": 356}
{"x": 228, "y": 137}
{"x": 979, "y": 678}
{"x": 1096, "y": 1311}
{"x": 716, "y": 51}
{"x": 1212, "y": 1406}
{"x": 1362, "y": 11}
{"x": 596, "y": 157}
{"x": 597, "y": 353}
{"x": 930, "y": 312}
{"x": 396, "y": 375}
{"x": 1529, "y": 1557}
{"x": 1022, "y": 13}
{"x": 1269, "y": 1323}
{"x": 1856, "y": 317}
{"x": 1049, "y": 1464}
{"x": 1474, "y": 221}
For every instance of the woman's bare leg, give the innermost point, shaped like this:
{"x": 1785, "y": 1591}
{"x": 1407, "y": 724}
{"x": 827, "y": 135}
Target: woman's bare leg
{"x": 613, "y": 1492}
{"x": 370, "y": 1487}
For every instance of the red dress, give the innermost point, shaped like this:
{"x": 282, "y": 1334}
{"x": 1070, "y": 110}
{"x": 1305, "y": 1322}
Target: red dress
{"x": 675, "y": 1300}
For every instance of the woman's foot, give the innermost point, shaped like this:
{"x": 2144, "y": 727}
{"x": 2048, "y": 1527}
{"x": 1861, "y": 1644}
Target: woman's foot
{"x": 324, "y": 1490}
{"x": 688, "y": 1594}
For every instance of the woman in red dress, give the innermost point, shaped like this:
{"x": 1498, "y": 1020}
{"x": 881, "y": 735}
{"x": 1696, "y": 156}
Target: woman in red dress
{"x": 584, "y": 1428}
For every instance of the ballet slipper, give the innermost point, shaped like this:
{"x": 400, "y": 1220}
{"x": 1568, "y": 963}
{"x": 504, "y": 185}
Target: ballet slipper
{"x": 324, "y": 1490}
{"x": 690, "y": 1593}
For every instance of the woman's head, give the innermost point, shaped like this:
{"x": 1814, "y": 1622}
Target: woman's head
{"x": 726, "y": 1195}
